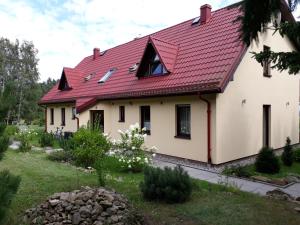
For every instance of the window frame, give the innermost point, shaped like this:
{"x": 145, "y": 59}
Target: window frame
{"x": 73, "y": 113}
{"x": 63, "y": 116}
{"x": 178, "y": 132}
{"x": 51, "y": 116}
{"x": 142, "y": 118}
{"x": 121, "y": 113}
{"x": 267, "y": 63}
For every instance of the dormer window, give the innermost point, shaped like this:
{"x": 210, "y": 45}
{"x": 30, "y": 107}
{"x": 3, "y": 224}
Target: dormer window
{"x": 63, "y": 83}
{"x": 151, "y": 63}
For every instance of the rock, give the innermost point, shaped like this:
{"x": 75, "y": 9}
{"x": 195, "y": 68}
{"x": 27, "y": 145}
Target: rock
{"x": 53, "y": 202}
{"x": 279, "y": 181}
{"x": 83, "y": 207}
{"x": 76, "y": 218}
{"x": 298, "y": 199}
{"x": 297, "y": 209}
{"x": 279, "y": 194}
{"x": 261, "y": 178}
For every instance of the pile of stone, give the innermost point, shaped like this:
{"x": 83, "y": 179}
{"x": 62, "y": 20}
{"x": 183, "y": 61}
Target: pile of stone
{"x": 281, "y": 195}
{"x": 84, "y": 207}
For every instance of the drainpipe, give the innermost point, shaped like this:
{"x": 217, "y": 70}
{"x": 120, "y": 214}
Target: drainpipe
{"x": 208, "y": 128}
{"x": 77, "y": 122}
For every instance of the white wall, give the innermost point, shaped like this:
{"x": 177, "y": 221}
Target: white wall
{"x": 240, "y": 126}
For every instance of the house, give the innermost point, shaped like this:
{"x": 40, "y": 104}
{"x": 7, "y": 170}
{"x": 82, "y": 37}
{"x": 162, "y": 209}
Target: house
{"x": 194, "y": 86}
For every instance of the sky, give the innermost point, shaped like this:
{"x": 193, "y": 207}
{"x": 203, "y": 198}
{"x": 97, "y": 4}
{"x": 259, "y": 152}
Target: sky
{"x": 66, "y": 31}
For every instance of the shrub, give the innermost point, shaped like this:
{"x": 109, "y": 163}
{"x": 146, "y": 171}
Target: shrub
{"x": 25, "y": 144}
{"x": 296, "y": 155}
{"x": 66, "y": 144}
{"x": 239, "y": 171}
{"x": 100, "y": 172}
{"x": 8, "y": 188}
{"x": 267, "y": 162}
{"x": 2, "y": 128}
{"x": 287, "y": 155}
{"x": 130, "y": 149}
{"x": 4, "y": 143}
{"x": 170, "y": 185}
{"x": 90, "y": 145}
{"x": 60, "y": 156}
{"x": 11, "y": 130}
{"x": 46, "y": 139}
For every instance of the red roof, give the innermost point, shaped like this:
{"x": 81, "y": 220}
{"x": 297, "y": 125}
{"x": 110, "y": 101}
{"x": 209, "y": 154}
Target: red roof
{"x": 199, "y": 58}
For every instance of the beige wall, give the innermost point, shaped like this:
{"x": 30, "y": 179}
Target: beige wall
{"x": 71, "y": 125}
{"x": 240, "y": 126}
{"x": 163, "y": 124}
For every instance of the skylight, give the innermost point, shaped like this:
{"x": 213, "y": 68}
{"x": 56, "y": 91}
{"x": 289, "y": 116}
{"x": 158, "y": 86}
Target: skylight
{"x": 107, "y": 75}
{"x": 196, "y": 20}
{"x": 133, "y": 67}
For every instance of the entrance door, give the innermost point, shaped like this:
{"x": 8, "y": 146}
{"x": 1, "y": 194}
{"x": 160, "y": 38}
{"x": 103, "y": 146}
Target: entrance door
{"x": 97, "y": 118}
{"x": 266, "y": 125}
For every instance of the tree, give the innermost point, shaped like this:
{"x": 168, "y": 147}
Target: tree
{"x": 261, "y": 15}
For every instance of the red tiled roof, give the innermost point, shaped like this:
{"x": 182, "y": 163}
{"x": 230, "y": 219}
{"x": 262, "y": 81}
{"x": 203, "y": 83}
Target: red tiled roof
{"x": 200, "y": 58}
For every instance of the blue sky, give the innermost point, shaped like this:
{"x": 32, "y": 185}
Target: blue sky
{"x": 66, "y": 31}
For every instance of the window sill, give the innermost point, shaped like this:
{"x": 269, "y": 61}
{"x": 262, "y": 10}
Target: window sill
{"x": 121, "y": 121}
{"x": 183, "y": 137}
{"x": 63, "y": 125}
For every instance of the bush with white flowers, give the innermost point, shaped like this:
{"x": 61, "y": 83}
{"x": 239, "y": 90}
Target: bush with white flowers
{"x": 130, "y": 150}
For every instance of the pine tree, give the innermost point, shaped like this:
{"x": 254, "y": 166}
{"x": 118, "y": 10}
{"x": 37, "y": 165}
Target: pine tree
{"x": 257, "y": 17}
{"x": 287, "y": 155}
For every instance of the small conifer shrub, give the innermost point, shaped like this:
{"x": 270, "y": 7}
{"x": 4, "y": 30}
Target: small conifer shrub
{"x": 170, "y": 185}
{"x": 266, "y": 161}
{"x": 287, "y": 155}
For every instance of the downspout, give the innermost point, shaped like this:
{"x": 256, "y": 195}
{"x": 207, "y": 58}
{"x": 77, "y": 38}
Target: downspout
{"x": 208, "y": 128}
{"x": 46, "y": 115}
{"x": 77, "y": 122}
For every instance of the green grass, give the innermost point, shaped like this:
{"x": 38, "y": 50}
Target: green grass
{"x": 209, "y": 205}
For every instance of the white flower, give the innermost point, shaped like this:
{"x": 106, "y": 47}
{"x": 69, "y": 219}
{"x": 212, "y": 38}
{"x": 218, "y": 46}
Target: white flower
{"x": 120, "y": 160}
{"x": 146, "y": 160}
{"x": 144, "y": 135}
{"x": 129, "y": 166}
{"x": 121, "y": 132}
{"x": 144, "y": 129}
{"x": 133, "y": 148}
{"x": 153, "y": 155}
{"x": 138, "y": 158}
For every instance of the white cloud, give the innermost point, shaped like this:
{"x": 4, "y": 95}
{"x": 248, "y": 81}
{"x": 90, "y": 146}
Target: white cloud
{"x": 66, "y": 32}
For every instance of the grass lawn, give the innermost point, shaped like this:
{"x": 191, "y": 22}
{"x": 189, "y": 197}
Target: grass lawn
{"x": 210, "y": 204}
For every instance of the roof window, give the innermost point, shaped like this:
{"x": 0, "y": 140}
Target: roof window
{"x": 107, "y": 75}
{"x": 196, "y": 20}
{"x": 133, "y": 67}
{"x": 88, "y": 77}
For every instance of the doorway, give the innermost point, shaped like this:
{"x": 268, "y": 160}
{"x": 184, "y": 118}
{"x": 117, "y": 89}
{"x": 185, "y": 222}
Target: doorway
{"x": 97, "y": 119}
{"x": 266, "y": 125}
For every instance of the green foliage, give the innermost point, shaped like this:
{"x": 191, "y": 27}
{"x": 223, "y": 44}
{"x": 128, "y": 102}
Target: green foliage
{"x": 46, "y": 139}
{"x": 267, "y": 162}
{"x": 100, "y": 172}
{"x": 90, "y": 145}
{"x": 4, "y": 140}
{"x": 25, "y": 144}
{"x": 8, "y": 188}
{"x": 60, "y": 156}
{"x": 11, "y": 130}
{"x": 66, "y": 144}
{"x": 239, "y": 171}
{"x": 287, "y": 155}
{"x": 297, "y": 155}
{"x": 170, "y": 185}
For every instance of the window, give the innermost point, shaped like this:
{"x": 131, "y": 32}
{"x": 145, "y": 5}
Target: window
{"x": 267, "y": 63}
{"x": 51, "y": 116}
{"x": 145, "y": 119}
{"x": 151, "y": 64}
{"x": 63, "y": 83}
{"x": 183, "y": 120}
{"x": 63, "y": 116}
{"x": 107, "y": 75}
{"x": 73, "y": 113}
{"x": 266, "y": 125}
{"x": 121, "y": 113}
